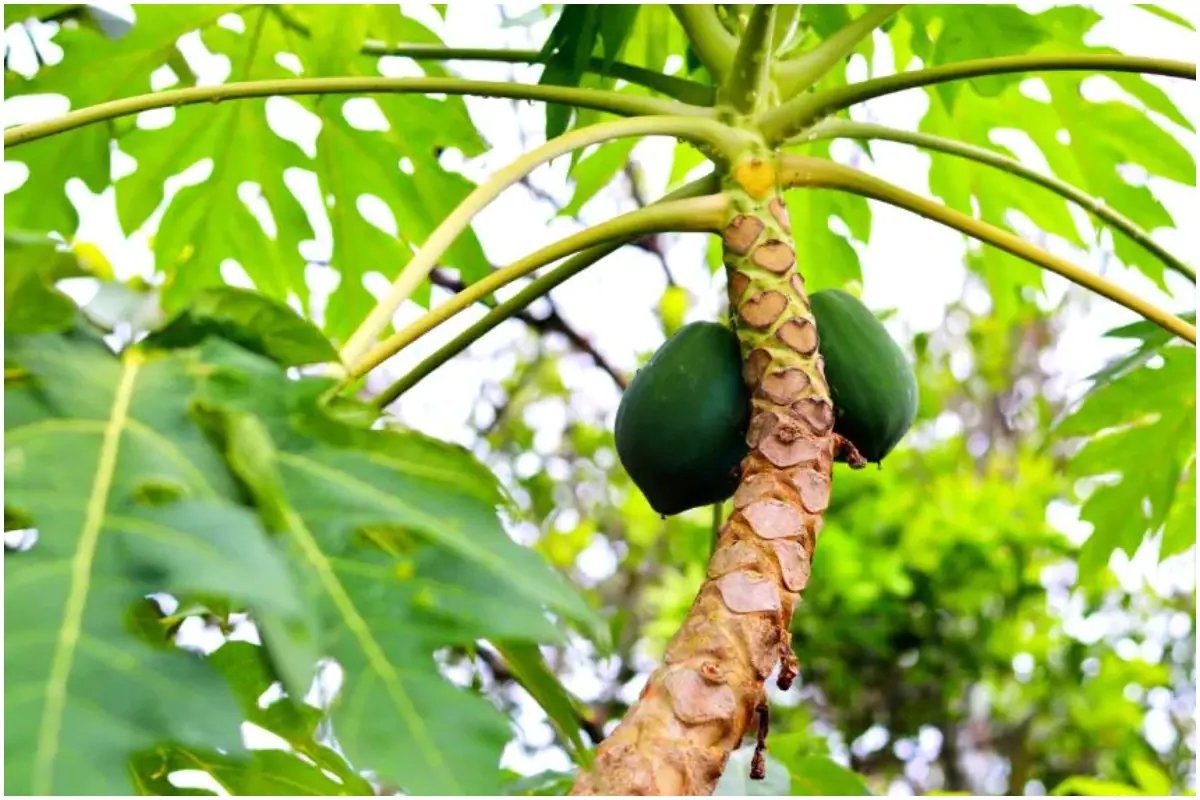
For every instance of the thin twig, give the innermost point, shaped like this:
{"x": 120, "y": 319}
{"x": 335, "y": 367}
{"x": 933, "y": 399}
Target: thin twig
{"x": 551, "y": 323}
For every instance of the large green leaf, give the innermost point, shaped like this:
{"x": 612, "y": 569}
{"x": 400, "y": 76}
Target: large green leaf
{"x": 1085, "y": 143}
{"x": 207, "y": 223}
{"x": 93, "y": 70}
{"x": 253, "y": 321}
{"x": 1139, "y": 420}
{"x": 397, "y": 539}
{"x": 128, "y": 499}
{"x": 308, "y": 768}
{"x": 579, "y": 31}
{"x": 32, "y": 265}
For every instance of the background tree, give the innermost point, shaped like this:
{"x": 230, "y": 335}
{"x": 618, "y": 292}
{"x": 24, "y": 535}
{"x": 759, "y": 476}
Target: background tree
{"x": 955, "y": 633}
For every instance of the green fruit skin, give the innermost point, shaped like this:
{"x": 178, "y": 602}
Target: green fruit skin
{"x": 873, "y": 387}
{"x": 681, "y": 425}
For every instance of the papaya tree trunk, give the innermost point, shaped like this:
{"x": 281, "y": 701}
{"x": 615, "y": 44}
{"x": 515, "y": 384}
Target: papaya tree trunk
{"x": 698, "y": 705}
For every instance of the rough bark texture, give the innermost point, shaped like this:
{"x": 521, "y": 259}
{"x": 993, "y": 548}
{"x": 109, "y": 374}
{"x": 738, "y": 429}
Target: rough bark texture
{"x": 697, "y": 707}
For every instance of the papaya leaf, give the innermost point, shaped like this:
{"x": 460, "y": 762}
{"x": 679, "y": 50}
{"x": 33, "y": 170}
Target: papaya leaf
{"x": 248, "y": 159}
{"x": 572, "y": 43}
{"x": 397, "y": 166}
{"x": 819, "y": 777}
{"x": 402, "y": 553}
{"x": 138, "y": 502}
{"x": 250, "y": 319}
{"x": 1085, "y": 143}
{"x": 736, "y": 781}
{"x": 309, "y": 768}
{"x": 1139, "y": 423}
{"x": 32, "y": 265}
{"x": 594, "y": 171}
{"x": 94, "y": 69}
{"x": 527, "y": 666}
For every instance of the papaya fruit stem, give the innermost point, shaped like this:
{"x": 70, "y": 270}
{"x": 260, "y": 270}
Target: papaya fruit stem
{"x": 694, "y": 214}
{"x": 803, "y": 71}
{"x": 709, "y": 133}
{"x": 788, "y": 119}
{"x": 681, "y": 89}
{"x": 713, "y": 45}
{"x": 748, "y": 85}
{"x": 598, "y": 99}
{"x": 831, "y": 128}
{"x": 537, "y": 288}
{"x": 819, "y": 172}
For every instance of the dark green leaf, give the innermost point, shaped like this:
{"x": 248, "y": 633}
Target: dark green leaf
{"x": 32, "y": 265}
{"x": 250, "y": 319}
{"x": 137, "y": 503}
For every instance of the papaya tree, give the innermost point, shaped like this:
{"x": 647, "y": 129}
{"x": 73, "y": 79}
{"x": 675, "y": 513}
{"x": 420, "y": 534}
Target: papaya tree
{"x": 215, "y": 518}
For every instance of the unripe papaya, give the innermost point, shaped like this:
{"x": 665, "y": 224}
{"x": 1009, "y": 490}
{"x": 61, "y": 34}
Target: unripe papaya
{"x": 681, "y": 426}
{"x": 871, "y": 383}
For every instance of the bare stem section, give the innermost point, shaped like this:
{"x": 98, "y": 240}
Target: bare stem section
{"x": 699, "y": 704}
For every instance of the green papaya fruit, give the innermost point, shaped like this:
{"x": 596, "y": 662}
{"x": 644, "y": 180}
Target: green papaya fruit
{"x": 873, "y": 387}
{"x": 681, "y": 425}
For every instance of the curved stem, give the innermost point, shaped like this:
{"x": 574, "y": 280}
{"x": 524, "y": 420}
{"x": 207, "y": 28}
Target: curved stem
{"x": 749, "y": 80}
{"x": 514, "y": 305}
{"x": 713, "y": 44}
{"x": 681, "y": 89}
{"x": 799, "y": 73}
{"x": 819, "y": 172}
{"x": 599, "y": 99}
{"x": 841, "y": 128}
{"x": 793, "y": 116}
{"x": 696, "y": 214}
{"x": 705, "y": 132}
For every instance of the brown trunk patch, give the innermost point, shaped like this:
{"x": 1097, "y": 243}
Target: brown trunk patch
{"x": 780, "y": 213}
{"x": 774, "y": 256}
{"x": 741, "y": 233}
{"x": 747, "y": 593}
{"x": 814, "y": 489}
{"x": 799, "y": 334}
{"x": 816, "y": 413}
{"x": 696, "y": 701}
{"x": 756, "y": 487}
{"x": 761, "y": 426}
{"x": 785, "y": 386}
{"x": 793, "y": 563}
{"x": 774, "y": 519}
{"x": 763, "y": 309}
{"x": 754, "y": 366}
{"x": 783, "y": 453}
{"x": 739, "y": 555}
{"x": 738, "y": 283}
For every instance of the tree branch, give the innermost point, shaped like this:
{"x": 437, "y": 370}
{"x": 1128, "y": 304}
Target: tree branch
{"x": 831, "y": 128}
{"x": 819, "y": 172}
{"x": 598, "y": 99}
{"x": 551, "y": 323}
{"x": 795, "y": 115}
